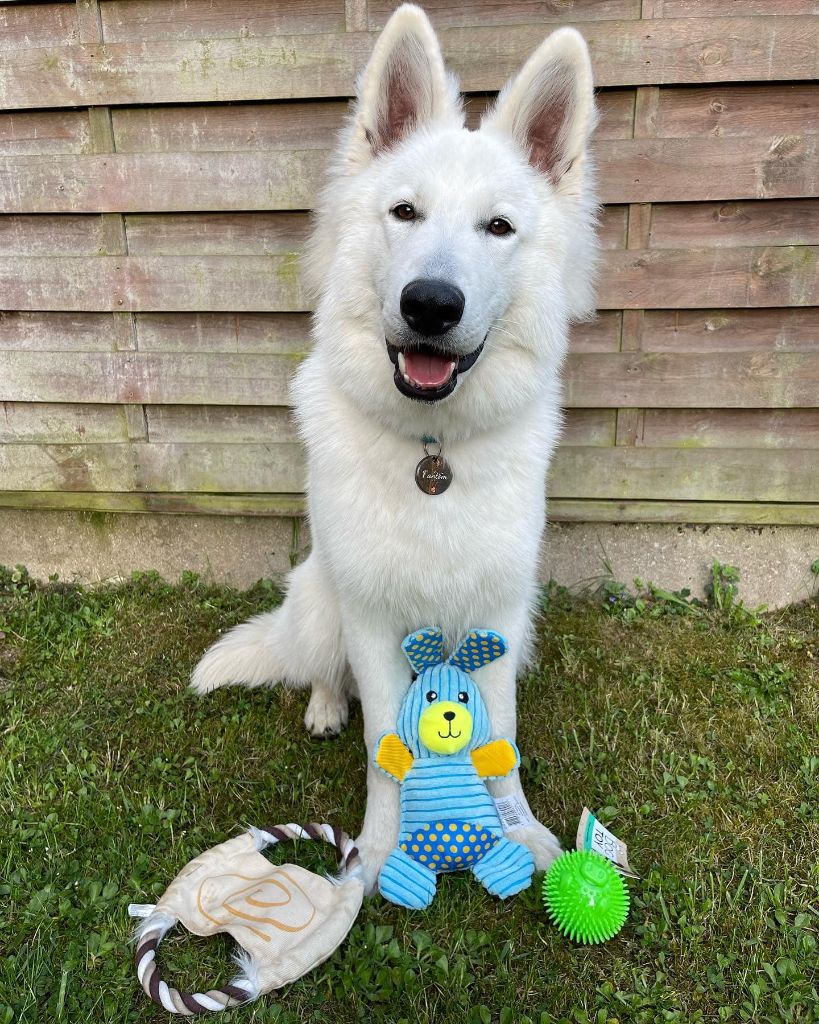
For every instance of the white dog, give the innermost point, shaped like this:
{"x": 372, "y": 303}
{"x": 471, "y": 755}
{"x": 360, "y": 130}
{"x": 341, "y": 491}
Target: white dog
{"x": 446, "y": 265}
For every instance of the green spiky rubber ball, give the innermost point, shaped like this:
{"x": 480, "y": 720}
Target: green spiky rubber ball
{"x": 586, "y": 897}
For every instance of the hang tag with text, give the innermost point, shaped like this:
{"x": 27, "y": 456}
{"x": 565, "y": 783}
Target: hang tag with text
{"x": 513, "y": 813}
{"x": 591, "y": 835}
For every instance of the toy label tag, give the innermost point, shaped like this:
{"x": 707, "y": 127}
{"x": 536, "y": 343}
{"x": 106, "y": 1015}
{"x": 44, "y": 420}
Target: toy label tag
{"x": 591, "y": 835}
{"x": 141, "y": 909}
{"x": 512, "y": 812}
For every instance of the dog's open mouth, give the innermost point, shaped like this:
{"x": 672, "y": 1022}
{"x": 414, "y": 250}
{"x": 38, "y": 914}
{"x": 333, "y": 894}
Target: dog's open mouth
{"x": 426, "y": 373}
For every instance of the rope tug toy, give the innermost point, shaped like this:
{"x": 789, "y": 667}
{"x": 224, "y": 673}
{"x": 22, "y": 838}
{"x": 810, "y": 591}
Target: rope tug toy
{"x": 286, "y": 919}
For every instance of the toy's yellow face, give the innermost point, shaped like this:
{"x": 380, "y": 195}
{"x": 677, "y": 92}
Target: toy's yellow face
{"x": 445, "y": 727}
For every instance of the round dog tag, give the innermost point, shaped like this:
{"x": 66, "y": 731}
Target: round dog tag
{"x": 433, "y": 475}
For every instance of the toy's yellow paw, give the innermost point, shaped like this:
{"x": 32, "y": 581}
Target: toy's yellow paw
{"x": 393, "y": 757}
{"x": 496, "y": 759}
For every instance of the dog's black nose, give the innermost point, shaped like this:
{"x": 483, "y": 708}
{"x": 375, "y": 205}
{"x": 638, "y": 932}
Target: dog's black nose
{"x": 449, "y": 715}
{"x": 431, "y": 307}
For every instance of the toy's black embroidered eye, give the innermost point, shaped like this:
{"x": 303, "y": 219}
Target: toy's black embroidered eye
{"x": 404, "y": 211}
{"x": 463, "y": 697}
{"x": 432, "y": 696}
{"x": 500, "y": 226}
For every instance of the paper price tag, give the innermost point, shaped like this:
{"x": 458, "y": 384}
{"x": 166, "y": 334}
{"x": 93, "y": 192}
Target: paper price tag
{"x": 513, "y": 813}
{"x": 591, "y": 835}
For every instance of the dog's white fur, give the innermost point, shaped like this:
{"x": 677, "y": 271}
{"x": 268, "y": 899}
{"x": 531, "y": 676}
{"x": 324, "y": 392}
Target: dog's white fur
{"x": 387, "y": 558}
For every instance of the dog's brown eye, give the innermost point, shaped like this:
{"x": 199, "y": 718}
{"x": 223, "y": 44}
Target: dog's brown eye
{"x": 500, "y": 226}
{"x": 404, "y": 211}
{"x": 432, "y": 696}
{"x": 463, "y": 697}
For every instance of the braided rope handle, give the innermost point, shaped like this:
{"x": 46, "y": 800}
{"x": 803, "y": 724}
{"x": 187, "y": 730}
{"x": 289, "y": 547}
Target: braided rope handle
{"x": 239, "y": 991}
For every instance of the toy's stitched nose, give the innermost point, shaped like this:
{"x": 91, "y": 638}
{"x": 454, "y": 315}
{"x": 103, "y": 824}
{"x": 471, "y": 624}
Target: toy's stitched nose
{"x": 449, "y": 715}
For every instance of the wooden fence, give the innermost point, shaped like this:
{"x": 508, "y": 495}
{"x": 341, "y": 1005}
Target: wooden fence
{"x": 157, "y": 158}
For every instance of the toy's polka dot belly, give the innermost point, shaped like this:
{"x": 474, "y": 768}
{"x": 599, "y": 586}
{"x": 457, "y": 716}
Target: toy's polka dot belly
{"x": 448, "y": 845}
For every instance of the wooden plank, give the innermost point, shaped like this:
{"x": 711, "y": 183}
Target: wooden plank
{"x": 737, "y": 110}
{"x": 262, "y": 234}
{"x": 39, "y": 331}
{"x": 739, "y": 380}
{"x": 718, "y": 110}
{"x": 445, "y": 14}
{"x": 589, "y": 427}
{"x": 243, "y": 127}
{"x": 696, "y": 278}
{"x": 275, "y": 467}
{"x": 749, "y": 380}
{"x": 731, "y": 330}
{"x": 602, "y": 334}
{"x": 753, "y": 475}
{"x": 134, "y": 283}
{"x": 289, "y": 333}
{"x": 731, "y": 428}
{"x": 179, "y": 503}
{"x": 666, "y": 51}
{"x": 277, "y": 333}
{"x": 676, "y": 170}
{"x": 61, "y": 235}
{"x": 706, "y": 474}
{"x": 271, "y": 127}
{"x": 741, "y": 512}
{"x": 355, "y": 15}
{"x": 560, "y": 509}
{"x": 149, "y": 20}
{"x": 64, "y": 423}
{"x": 200, "y": 424}
{"x": 155, "y": 182}
{"x": 761, "y": 222}
{"x": 633, "y": 279}
{"x": 242, "y": 234}
{"x": 631, "y": 171}
{"x": 149, "y": 377}
{"x": 44, "y": 131}
{"x": 35, "y": 25}
{"x": 719, "y": 9}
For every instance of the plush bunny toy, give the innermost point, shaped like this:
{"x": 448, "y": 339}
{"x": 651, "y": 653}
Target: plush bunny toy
{"x": 441, "y": 754}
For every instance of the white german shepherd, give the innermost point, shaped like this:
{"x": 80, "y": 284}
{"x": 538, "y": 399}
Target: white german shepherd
{"x": 446, "y": 265}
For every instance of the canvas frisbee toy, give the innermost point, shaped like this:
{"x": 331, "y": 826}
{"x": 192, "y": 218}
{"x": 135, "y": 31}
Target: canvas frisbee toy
{"x": 586, "y": 897}
{"x": 285, "y": 919}
{"x": 441, "y": 755}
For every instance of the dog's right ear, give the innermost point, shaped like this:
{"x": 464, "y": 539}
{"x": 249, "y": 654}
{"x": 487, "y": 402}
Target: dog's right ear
{"x": 548, "y": 108}
{"x": 403, "y": 87}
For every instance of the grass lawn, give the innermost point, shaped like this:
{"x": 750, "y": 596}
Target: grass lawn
{"x": 692, "y": 731}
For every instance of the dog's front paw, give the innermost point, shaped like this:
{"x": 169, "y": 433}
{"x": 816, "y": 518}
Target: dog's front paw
{"x": 543, "y": 846}
{"x": 326, "y": 713}
{"x": 373, "y": 856}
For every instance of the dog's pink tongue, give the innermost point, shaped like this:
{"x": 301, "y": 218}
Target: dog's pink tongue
{"x": 426, "y": 369}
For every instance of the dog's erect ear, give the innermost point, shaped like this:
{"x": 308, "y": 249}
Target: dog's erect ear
{"x": 478, "y": 648}
{"x": 548, "y": 108}
{"x": 403, "y": 87}
{"x": 424, "y": 647}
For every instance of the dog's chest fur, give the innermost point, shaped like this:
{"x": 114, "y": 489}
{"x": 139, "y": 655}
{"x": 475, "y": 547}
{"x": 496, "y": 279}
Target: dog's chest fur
{"x": 454, "y": 558}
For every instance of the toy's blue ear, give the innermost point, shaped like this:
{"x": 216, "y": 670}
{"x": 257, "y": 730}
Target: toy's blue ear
{"x": 424, "y": 647}
{"x": 477, "y": 649}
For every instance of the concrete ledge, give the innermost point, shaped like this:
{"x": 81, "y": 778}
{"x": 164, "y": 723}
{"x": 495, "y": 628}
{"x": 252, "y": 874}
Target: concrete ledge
{"x": 774, "y": 561}
{"x": 95, "y": 546}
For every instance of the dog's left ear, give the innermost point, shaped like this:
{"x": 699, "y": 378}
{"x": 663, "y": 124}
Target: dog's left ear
{"x": 403, "y": 87}
{"x": 478, "y": 648}
{"x": 548, "y": 108}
